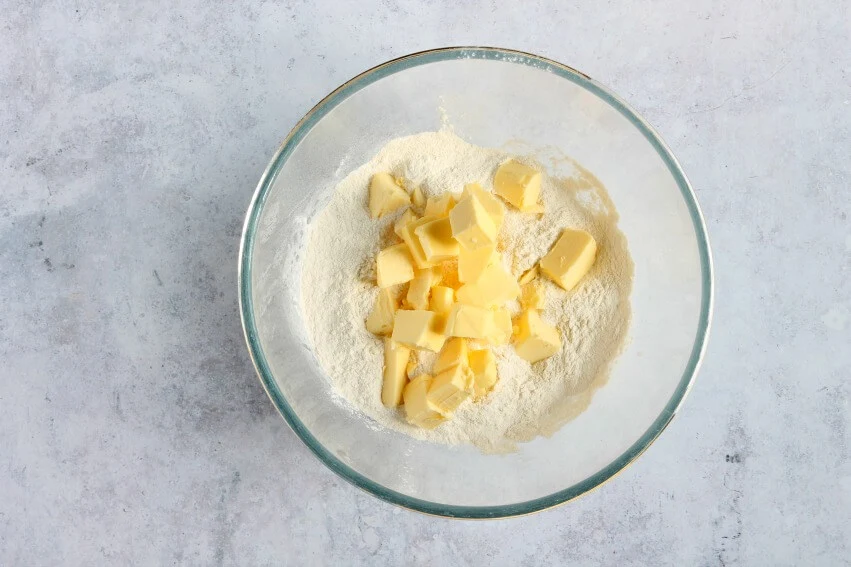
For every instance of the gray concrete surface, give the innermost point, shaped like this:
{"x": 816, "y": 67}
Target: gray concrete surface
{"x": 132, "y": 428}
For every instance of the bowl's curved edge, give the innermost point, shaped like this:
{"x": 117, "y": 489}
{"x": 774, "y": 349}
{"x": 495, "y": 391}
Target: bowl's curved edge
{"x": 261, "y": 366}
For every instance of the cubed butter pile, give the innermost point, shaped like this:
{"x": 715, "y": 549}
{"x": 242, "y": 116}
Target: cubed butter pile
{"x": 458, "y": 290}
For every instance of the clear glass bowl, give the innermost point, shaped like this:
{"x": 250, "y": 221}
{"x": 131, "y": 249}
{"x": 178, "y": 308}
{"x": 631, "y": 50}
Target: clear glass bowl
{"x": 492, "y": 97}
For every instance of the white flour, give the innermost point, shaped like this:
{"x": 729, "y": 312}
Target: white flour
{"x": 338, "y": 290}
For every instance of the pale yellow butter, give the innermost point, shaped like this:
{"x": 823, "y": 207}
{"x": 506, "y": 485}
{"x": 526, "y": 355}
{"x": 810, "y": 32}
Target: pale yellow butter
{"x": 536, "y": 209}
{"x": 419, "y": 329}
{"x": 518, "y": 184}
{"x": 418, "y": 408}
{"x": 435, "y": 238}
{"x": 471, "y": 263}
{"x": 535, "y": 339}
{"x": 528, "y": 275}
{"x": 439, "y": 206}
{"x": 442, "y": 298}
{"x": 418, "y": 199}
{"x": 385, "y": 195}
{"x": 501, "y": 328}
{"x": 418, "y": 291}
{"x": 380, "y": 319}
{"x": 394, "y": 265}
{"x": 570, "y": 259}
{"x": 494, "y": 287}
{"x": 451, "y": 387}
{"x": 395, "y": 372}
{"x": 472, "y": 227}
{"x": 407, "y": 218}
{"x": 453, "y": 352}
{"x": 436, "y": 273}
{"x": 408, "y": 235}
{"x": 469, "y": 321}
{"x": 483, "y": 366}
{"x": 494, "y": 208}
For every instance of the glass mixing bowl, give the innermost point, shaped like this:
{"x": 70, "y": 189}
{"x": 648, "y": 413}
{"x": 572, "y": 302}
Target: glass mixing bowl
{"x": 492, "y": 97}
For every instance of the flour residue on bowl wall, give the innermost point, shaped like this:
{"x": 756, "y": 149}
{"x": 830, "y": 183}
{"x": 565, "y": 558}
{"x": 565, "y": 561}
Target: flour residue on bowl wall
{"x": 338, "y": 291}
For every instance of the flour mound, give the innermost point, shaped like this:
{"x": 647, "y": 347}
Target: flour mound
{"x": 338, "y": 291}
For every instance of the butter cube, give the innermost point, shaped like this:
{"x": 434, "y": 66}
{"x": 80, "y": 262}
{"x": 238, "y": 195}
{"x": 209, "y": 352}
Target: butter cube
{"x": 380, "y": 320}
{"x": 471, "y": 263}
{"x": 436, "y": 275}
{"x": 419, "y": 409}
{"x": 501, "y": 329}
{"x": 483, "y": 366}
{"x": 439, "y": 206}
{"x": 528, "y": 275}
{"x": 433, "y": 275}
{"x": 469, "y": 321}
{"x": 440, "y": 321}
{"x": 407, "y": 218}
{"x": 419, "y": 329}
{"x": 385, "y": 195}
{"x": 418, "y": 199}
{"x": 436, "y": 240}
{"x": 532, "y": 296}
{"x": 472, "y": 227}
{"x": 395, "y": 266}
{"x": 454, "y": 352}
{"x": 451, "y": 387}
{"x": 493, "y": 288}
{"x": 518, "y": 184}
{"x": 418, "y": 291}
{"x": 494, "y": 208}
{"x": 408, "y": 235}
{"x": 535, "y": 339}
{"x": 395, "y": 372}
{"x": 570, "y": 258}
{"x": 442, "y": 298}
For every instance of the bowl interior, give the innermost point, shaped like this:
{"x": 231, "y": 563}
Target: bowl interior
{"x": 491, "y": 98}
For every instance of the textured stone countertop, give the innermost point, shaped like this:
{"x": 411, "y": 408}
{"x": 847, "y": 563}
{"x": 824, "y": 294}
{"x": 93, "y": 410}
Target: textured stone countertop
{"x": 132, "y": 426}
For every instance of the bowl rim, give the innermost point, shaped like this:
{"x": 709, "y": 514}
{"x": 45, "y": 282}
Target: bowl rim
{"x": 261, "y": 365}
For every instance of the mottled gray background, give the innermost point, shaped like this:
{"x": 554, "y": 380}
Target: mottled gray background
{"x": 132, "y": 427}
